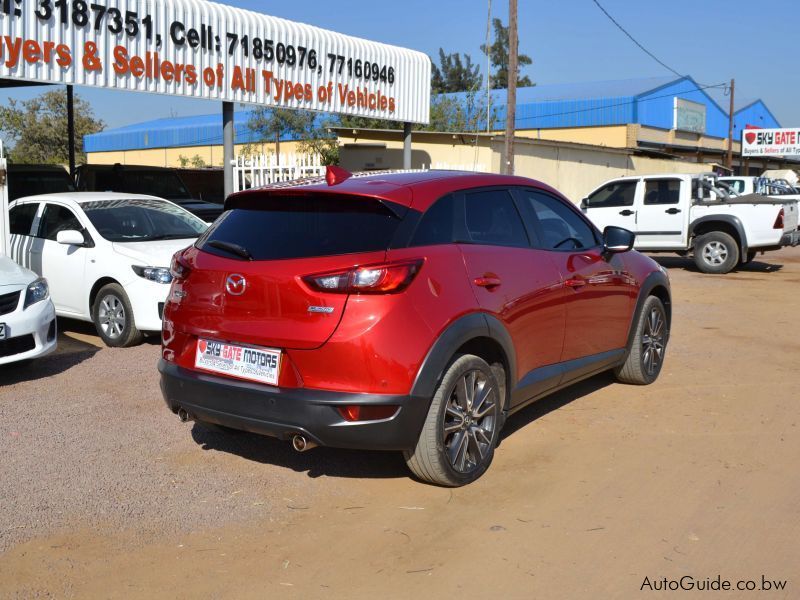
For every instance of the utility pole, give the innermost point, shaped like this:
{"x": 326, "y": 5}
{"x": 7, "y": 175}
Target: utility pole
{"x": 511, "y": 101}
{"x": 729, "y": 159}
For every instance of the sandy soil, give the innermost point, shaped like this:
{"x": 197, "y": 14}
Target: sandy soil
{"x": 105, "y": 494}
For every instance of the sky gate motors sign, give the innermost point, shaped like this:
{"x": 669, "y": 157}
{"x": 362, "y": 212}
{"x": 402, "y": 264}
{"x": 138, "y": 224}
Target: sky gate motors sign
{"x": 771, "y": 142}
{"x": 199, "y": 49}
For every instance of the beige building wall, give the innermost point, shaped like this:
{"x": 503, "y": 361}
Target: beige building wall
{"x": 171, "y": 157}
{"x": 615, "y": 136}
{"x": 576, "y": 172}
{"x": 573, "y": 169}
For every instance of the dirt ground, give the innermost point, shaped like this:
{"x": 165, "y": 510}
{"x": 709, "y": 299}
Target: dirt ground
{"x": 598, "y": 492}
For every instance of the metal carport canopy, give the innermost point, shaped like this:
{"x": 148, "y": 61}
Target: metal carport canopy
{"x": 199, "y": 49}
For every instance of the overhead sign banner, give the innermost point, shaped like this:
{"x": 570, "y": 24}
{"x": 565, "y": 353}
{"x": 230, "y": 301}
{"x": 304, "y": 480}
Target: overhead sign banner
{"x": 199, "y": 49}
{"x": 771, "y": 142}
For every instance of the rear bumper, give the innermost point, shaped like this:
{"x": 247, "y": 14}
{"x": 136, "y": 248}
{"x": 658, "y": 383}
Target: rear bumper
{"x": 791, "y": 239}
{"x": 282, "y": 412}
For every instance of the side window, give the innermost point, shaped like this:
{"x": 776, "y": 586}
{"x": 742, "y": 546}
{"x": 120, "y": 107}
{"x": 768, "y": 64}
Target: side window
{"x": 662, "y": 191}
{"x": 436, "y": 225}
{"x": 57, "y": 218}
{"x": 492, "y": 219}
{"x": 618, "y": 193}
{"x": 21, "y": 218}
{"x": 561, "y": 227}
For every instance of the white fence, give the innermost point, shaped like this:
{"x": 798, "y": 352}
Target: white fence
{"x": 476, "y": 167}
{"x": 256, "y": 171}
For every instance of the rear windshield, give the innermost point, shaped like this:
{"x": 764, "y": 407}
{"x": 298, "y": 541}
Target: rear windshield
{"x": 303, "y": 226}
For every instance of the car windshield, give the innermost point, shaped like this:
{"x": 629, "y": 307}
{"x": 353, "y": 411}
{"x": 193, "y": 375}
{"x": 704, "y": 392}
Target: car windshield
{"x": 142, "y": 220}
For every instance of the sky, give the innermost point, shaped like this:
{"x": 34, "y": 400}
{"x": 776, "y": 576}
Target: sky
{"x": 568, "y": 40}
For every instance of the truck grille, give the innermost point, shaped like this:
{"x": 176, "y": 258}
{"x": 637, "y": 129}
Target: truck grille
{"x": 9, "y": 302}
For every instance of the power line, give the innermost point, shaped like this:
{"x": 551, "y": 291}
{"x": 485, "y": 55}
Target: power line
{"x": 633, "y": 39}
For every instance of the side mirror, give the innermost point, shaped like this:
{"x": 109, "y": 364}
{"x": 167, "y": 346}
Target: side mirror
{"x": 71, "y": 237}
{"x": 617, "y": 240}
{"x": 584, "y": 204}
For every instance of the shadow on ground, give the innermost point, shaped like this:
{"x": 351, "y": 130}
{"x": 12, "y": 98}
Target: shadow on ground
{"x": 687, "y": 264}
{"x": 335, "y": 462}
{"x": 69, "y": 353}
{"x": 317, "y": 462}
{"x": 548, "y": 404}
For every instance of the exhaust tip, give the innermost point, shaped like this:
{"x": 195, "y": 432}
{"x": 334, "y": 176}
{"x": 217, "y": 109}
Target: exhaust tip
{"x": 301, "y": 444}
{"x": 183, "y": 415}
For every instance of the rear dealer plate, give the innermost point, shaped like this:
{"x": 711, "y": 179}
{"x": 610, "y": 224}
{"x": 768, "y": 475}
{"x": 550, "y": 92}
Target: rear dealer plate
{"x": 255, "y": 364}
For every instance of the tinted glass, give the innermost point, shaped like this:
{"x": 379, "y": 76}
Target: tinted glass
{"x": 436, "y": 226}
{"x": 164, "y": 184}
{"x": 562, "y": 228}
{"x": 21, "y": 218}
{"x": 57, "y": 218}
{"x": 141, "y": 220}
{"x": 492, "y": 219}
{"x": 620, "y": 193}
{"x": 662, "y": 191}
{"x": 304, "y": 226}
{"x": 22, "y": 184}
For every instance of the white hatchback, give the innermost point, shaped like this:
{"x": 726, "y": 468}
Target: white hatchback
{"x": 27, "y": 316}
{"x": 106, "y": 256}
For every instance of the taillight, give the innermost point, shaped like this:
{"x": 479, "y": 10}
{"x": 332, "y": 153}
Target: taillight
{"x": 779, "y": 221}
{"x": 386, "y": 278}
{"x": 178, "y": 267}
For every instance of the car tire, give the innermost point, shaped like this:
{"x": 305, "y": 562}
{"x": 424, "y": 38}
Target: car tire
{"x": 460, "y": 433}
{"x": 716, "y": 252}
{"x": 648, "y": 348}
{"x": 112, "y": 315}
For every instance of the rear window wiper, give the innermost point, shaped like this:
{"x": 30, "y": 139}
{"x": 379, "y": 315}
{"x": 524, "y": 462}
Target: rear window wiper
{"x": 232, "y": 248}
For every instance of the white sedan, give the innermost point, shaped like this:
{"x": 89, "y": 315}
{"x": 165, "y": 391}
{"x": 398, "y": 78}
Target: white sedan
{"x": 105, "y": 255}
{"x": 27, "y": 316}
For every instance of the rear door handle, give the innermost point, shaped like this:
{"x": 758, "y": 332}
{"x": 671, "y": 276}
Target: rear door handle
{"x": 626, "y": 213}
{"x": 487, "y": 282}
{"x": 672, "y": 211}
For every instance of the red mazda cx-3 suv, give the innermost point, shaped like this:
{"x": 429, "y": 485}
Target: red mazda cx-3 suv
{"x": 407, "y": 311}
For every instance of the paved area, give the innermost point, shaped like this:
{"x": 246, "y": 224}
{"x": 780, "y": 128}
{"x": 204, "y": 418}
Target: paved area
{"x": 599, "y": 491}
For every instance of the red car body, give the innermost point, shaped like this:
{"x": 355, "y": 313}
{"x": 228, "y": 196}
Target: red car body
{"x": 358, "y": 367}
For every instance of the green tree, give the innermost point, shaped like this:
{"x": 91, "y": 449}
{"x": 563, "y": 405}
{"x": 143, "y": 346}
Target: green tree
{"x": 314, "y": 137}
{"x": 271, "y": 124}
{"x": 498, "y": 55}
{"x": 454, "y": 74}
{"x": 37, "y": 128}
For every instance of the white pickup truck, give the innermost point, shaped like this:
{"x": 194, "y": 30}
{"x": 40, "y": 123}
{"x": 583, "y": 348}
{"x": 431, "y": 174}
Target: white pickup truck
{"x": 690, "y": 214}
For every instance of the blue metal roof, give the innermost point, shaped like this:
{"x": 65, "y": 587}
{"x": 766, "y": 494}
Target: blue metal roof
{"x": 646, "y": 101}
{"x": 176, "y": 132}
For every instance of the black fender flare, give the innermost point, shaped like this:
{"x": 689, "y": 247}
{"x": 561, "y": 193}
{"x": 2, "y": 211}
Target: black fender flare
{"x": 651, "y": 282}
{"x": 459, "y": 332}
{"x": 731, "y": 220}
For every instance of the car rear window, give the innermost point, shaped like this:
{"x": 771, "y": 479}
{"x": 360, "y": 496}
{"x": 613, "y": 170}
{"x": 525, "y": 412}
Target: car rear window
{"x": 280, "y": 227}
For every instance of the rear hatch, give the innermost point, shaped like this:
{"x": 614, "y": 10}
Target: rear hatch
{"x": 245, "y": 282}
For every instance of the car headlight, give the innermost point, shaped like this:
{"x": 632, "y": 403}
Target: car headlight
{"x": 157, "y": 274}
{"x": 36, "y": 292}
